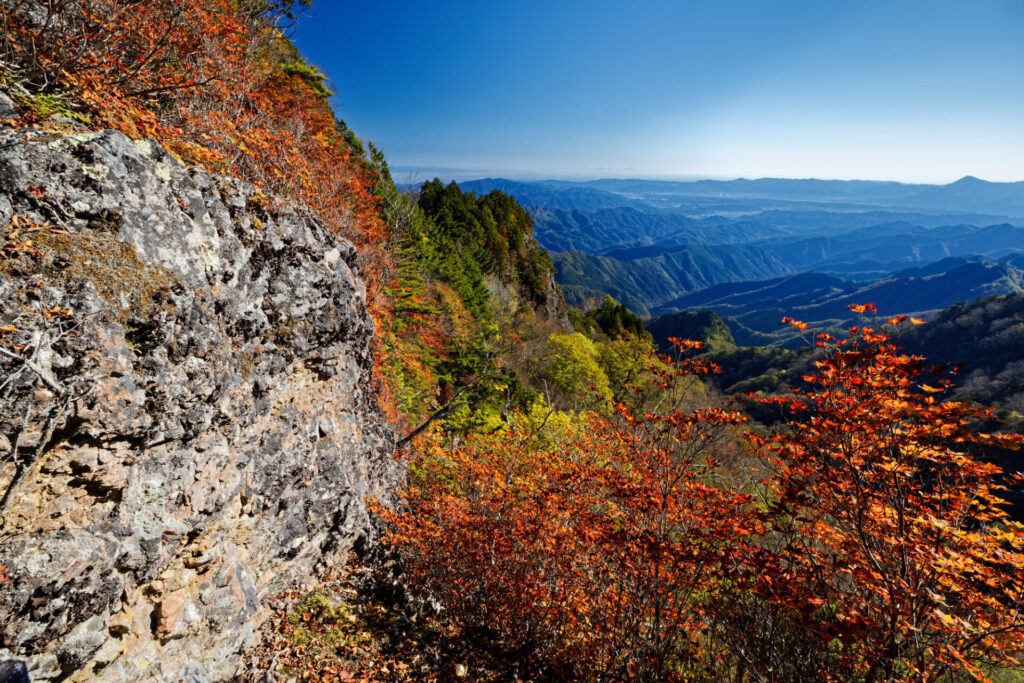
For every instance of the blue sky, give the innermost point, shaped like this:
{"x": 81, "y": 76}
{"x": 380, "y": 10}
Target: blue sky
{"x": 904, "y": 90}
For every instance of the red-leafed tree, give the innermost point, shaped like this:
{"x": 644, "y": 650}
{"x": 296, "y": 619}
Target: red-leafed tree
{"x": 876, "y": 546}
{"x": 891, "y": 543}
{"x": 214, "y": 81}
{"x": 594, "y": 555}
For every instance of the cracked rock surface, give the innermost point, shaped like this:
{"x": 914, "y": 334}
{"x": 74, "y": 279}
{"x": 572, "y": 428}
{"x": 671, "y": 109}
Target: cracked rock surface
{"x": 187, "y": 421}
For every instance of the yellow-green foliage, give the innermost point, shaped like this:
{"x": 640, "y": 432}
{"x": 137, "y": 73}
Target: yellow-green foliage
{"x": 48, "y": 105}
{"x": 478, "y": 419}
{"x": 549, "y": 426}
{"x": 625, "y": 361}
{"x": 318, "y": 620}
{"x": 459, "y": 322}
{"x": 569, "y": 363}
{"x": 313, "y": 77}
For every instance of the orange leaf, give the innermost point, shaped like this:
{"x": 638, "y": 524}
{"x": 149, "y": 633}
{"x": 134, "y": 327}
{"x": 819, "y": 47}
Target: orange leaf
{"x": 794, "y": 323}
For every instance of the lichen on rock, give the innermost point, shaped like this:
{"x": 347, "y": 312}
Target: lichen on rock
{"x": 187, "y": 422}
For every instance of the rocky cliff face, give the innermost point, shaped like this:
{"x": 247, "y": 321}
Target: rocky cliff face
{"x": 187, "y": 423}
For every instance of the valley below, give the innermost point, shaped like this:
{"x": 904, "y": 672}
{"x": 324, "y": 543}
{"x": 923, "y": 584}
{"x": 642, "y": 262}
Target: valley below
{"x": 755, "y": 251}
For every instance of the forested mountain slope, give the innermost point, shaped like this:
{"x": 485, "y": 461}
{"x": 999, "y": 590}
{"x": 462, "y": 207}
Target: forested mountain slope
{"x": 986, "y": 336}
{"x": 982, "y": 338}
{"x": 647, "y": 284}
{"x": 892, "y": 246}
{"x": 596, "y": 231}
{"x": 815, "y": 297}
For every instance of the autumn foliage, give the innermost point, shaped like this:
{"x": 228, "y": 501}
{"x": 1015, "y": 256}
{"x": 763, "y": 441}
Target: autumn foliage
{"x": 218, "y": 84}
{"x": 865, "y": 540}
{"x": 869, "y": 541}
{"x": 889, "y": 533}
{"x": 213, "y": 80}
{"x": 594, "y": 554}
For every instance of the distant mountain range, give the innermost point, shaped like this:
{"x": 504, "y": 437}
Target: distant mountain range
{"x": 653, "y": 280}
{"x": 607, "y": 231}
{"x": 542, "y": 194}
{"x": 757, "y": 250}
{"x": 891, "y": 246}
{"x": 754, "y": 309}
{"x": 967, "y": 195}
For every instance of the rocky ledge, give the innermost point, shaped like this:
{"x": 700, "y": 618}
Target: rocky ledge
{"x": 187, "y": 420}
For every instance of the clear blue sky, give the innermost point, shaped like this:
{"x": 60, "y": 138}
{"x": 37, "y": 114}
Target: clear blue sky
{"x": 913, "y": 90}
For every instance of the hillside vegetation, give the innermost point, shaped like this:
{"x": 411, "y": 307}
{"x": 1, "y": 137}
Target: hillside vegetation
{"x": 982, "y": 339}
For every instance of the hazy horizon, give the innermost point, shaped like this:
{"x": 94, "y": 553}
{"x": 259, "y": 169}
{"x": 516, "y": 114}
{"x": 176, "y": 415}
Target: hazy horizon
{"x": 401, "y": 175}
{"x": 916, "y": 91}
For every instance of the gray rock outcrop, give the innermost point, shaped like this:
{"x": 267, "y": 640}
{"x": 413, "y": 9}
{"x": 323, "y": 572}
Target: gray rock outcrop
{"x": 187, "y": 420}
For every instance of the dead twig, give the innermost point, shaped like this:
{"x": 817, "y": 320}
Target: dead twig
{"x": 49, "y": 381}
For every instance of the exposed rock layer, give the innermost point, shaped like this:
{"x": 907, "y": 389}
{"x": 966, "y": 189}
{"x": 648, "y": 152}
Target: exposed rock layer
{"x": 187, "y": 423}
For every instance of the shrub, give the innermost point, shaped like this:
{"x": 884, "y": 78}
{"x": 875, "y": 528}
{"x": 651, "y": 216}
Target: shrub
{"x": 589, "y": 556}
{"x": 873, "y": 545}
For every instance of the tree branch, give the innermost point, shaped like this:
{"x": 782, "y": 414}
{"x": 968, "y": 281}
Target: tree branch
{"x": 442, "y": 412}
